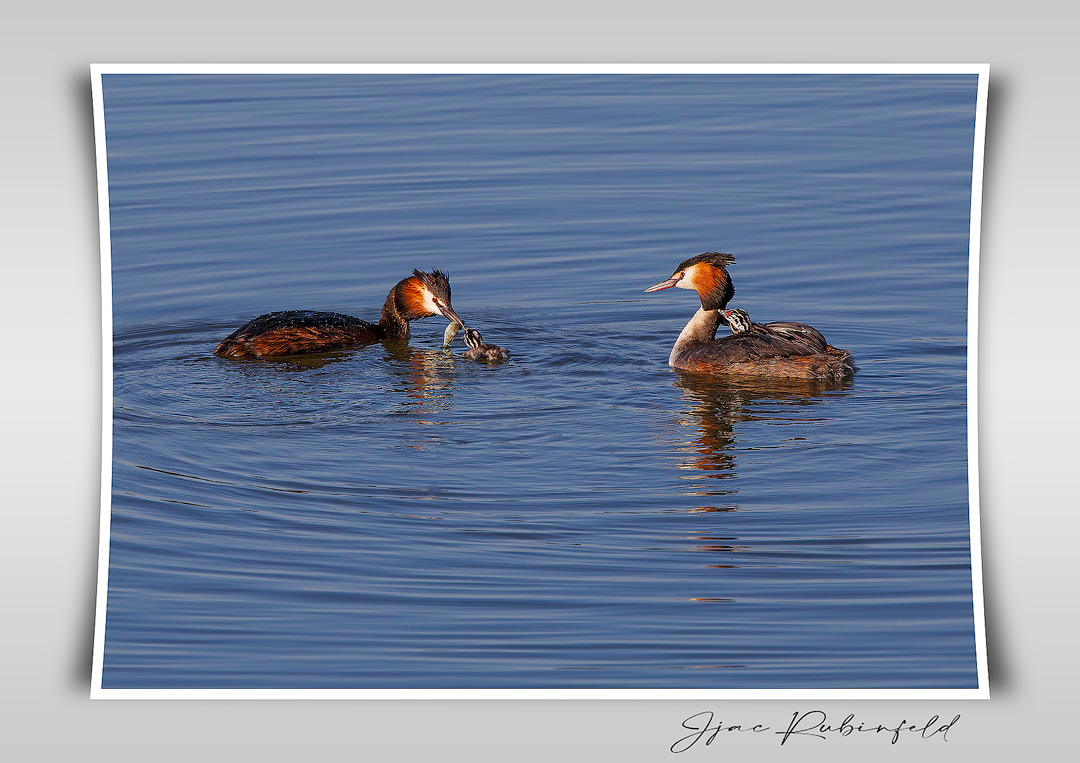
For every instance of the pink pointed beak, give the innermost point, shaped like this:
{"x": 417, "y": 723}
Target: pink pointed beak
{"x": 450, "y": 315}
{"x": 664, "y": 284}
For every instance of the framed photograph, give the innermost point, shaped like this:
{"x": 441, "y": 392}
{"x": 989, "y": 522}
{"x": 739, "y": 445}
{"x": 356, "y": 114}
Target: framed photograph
{"x": 540, "y": 381}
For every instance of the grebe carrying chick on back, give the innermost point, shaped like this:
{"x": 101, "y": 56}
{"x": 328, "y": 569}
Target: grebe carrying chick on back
{"x": 304, "y": 332}
{"x": 780, "y": 350}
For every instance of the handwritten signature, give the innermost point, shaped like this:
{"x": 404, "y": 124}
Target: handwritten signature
{"x": 813, "y": 723}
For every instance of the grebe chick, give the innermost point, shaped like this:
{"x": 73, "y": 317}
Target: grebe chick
{"x": 783, "y": 350}
{"x": 303, "y": 332}
{"x": 480, "y": 351}
{"x": 738, "y": 320}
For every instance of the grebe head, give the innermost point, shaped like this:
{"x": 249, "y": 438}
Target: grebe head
{"x": 707, "y": 275}
{"x": 737, "y": 319}
{"x": 472, "y": 338}
{"x": 424, "y": 294}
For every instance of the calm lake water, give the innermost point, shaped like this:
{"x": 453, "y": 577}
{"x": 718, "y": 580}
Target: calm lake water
{"x": 582, "y": 516}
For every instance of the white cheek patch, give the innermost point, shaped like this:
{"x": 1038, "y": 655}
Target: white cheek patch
{"x": 429, "y": 302}
{"x": 702, "y": 278}
{"x": 690, "y": 279}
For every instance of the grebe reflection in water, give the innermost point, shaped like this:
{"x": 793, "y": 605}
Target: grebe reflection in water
{"x": 303, "y": 332}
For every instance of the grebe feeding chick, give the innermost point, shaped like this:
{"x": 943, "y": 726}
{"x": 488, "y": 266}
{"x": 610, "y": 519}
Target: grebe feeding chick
{"x": 478, "y": 350}
{"x": 303, "y": 332}
{"x": 781, "y": 350}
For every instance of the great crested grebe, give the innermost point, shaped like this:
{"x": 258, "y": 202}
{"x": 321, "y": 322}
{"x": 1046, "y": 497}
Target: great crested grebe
{"x": 783, "y": 350}
{"x": 480, "y": 351}
{"x": 303, "y": 332}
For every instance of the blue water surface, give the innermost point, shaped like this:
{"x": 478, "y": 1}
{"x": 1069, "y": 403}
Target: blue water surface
{"x": 583, "y": 516}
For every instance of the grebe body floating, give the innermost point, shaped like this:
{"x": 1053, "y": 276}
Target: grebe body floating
{"x": 780, "y": 350}
{"x": 478, "y": 350}
{"x": 304, "y": 332}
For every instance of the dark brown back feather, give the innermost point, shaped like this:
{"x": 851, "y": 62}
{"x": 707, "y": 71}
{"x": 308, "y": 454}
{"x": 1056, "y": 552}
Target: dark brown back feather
{"x": 296, "y": 332}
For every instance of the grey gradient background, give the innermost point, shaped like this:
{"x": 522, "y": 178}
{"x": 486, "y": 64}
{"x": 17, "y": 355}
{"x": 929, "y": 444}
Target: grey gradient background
{"x": 51, "y": 388}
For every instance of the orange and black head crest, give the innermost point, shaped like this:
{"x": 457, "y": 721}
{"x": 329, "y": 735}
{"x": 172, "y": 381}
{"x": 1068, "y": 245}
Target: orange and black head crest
{"x": 707, "y": 274}
{"x": 437, "y": 282}
{"x": 716, "y": 259}
{"x": 423, "y": 294}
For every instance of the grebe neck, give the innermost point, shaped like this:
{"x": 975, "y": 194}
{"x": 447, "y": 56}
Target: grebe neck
{"x": 700, "y": 330}
{"x": 392, "y": 322}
